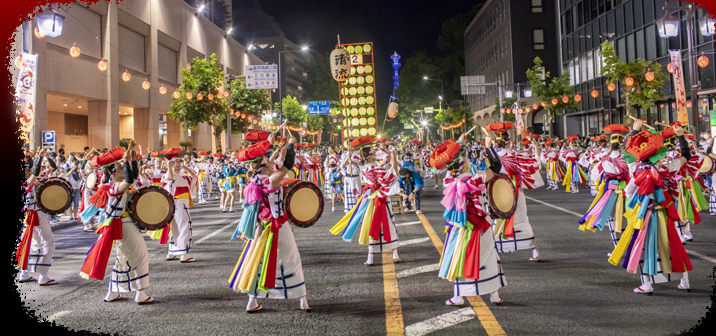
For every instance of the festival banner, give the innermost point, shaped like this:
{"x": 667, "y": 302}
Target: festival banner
{"x": 25, "y": 93}
{"x": 519, "y": 124}
{"x": 681, "y": 112}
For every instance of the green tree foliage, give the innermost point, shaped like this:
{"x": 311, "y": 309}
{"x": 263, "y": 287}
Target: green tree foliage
{"x": 252, "y": 102}
{"x": 293, "y": 113}
{"x": 126, "y": 143}
{"x": 319, "y": 83}
{"x": 643, "y": 93}
{"x": 206, "y": 77}
{"x": 544, "y": 90}
{"x": 315, "y": 123}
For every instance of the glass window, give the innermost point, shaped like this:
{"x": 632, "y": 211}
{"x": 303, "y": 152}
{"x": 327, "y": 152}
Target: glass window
{"x": 602, "y": 29}
{"x": 538, "y": 39}
{"x": 562, "y": 25}
{"x": 575, "y": 21}
{"x": 588, "y": 38}
{"x": 611, "y": 30}
{"x": 590, "y": 66}
{"x": 580, "y": 16}
{"x": 631, "y": 48}
{"x": 571, "y": 70}
{"x": 707, "y": 73}
{"x": 648, "y": 11}
{"x": 640, "y": 47}
{"x": 581, "y": 41}
{"x": 597, "y": 63}
{"x": 595, "y": 34}
{"x": 607, "y": 5}
{"x": 536, "y": 6}
{"x": 628, "y": 17}
{"x": 583, "y": 68}
{"x": 621, "y": 49}
{"x": 569, "y": 28}
{"x": 601, "y": 6}
{"x": 577, "y": 71}
{"x": 638, "y": 14}
{"x": 595, "y": 12}
{"x": 658, "y": 9}
{"x": 650, "y": 42}
{"x": 620, "y": 21}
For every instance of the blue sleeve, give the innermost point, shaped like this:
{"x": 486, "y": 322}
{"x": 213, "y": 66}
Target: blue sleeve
{"x": 418, "y": 180}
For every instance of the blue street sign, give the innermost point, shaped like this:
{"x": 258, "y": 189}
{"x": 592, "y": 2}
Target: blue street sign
{"x": 48, "y": 137}
{"x": 321, "y": 107}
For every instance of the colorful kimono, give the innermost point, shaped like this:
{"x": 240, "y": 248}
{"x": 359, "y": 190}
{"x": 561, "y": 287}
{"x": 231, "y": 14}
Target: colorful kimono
{"x": 469, "y": 259}
{"x": 335, "y": 178}
{"x": 230, "y": 174}
{"x": 375, "y": 216}
{"x": 270, "y": 265}
{"x": 574, "y": 172}
{"x": 37, "y": 245}
{"x": 550, "y": 157}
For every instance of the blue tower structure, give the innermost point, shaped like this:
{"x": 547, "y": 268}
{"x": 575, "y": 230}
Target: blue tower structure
{"x": 396, "y": 78}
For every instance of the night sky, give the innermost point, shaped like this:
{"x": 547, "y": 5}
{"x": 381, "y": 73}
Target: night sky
{"x": 403, "y": 26}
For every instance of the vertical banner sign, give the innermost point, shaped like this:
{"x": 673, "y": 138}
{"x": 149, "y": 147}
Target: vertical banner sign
{"x": 357, "y": 94}
{"x": 518, "y": 121}
{"x": 681, "y": 112}
{"x": 25, "y": 93}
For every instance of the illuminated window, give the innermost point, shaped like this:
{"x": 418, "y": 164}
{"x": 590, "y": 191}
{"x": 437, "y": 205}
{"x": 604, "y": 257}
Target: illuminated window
{"x": 536, "y": 6}
{"x": 538, "y": 39}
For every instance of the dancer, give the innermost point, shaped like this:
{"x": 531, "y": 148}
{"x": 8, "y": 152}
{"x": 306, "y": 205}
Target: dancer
{"x": 335, "y": 181}
{"x": 574, "y": 172}
{"x": 181, "y": 227}
{"x": 650, "y": 244}
{"x": 131, "y": 268}
{"x": 270, "y": 265}
{"x": 373, "y": 208}
{"x": 469, "y": 259}
{"x": 351, "y": 178}
{"x": 36, "y": 250}
{"x": 550, "y": 157}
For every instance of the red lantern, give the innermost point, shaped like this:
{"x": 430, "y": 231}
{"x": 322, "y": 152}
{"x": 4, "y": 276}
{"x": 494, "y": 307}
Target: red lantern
{"x": 226, "y": 94}
{"x": 188, "y": 95}
{"x": 703, "y": 61}
{"x": 126, "y": 76}
{"x": 673, "y": 105}
{"x": 688, "y": 104}
{"x": 595, "y": 93}
{"x": 259, "y": 123}
{"x": 145, "y": 84}
{"x": 102, "y": 65}
{"x": 649, "y": 76}
{"x": 565, "y": 99}
{"x": 670, "y": 68}
{"x": 163, "y": 89}
{"x": 703, "y": 103}
{"x": 577, "y": 98}
{"x": 701, "y": 115}
{"x": 502, "y": 110}
{"x": 75, "y": 51}
{"x": 520, "y": 110}
{"x": 612, "y": 86}
{"x": 243, "y": 115}
{"x": 175, "y": 94}
{"x": 555, "y": 101}
{"x": 527, "y": 110}
{"x": 544, "y": 104}
{"x": 535, "y": 106}
{"x": 661, "y": 106}
{"x": 256, "y": 121}
{"x": 199, "y": 96}
{"x": 210, "y": 96}
{"x": 629, "y": 81}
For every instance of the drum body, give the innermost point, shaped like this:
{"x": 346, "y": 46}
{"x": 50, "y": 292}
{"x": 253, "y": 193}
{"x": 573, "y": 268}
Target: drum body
{"x": 291, "y": 175}
{"x": 54, "y": 196}
{"x": 151, "y": 207}
{"x": 91, "y": 180}
{"x": 303, "y": 202}
{"x": 502, "y": 195}
{"x": 706, "y": 166}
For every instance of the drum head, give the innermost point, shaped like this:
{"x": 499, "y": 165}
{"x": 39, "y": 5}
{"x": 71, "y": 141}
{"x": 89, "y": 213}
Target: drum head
{"x": 91, "y": 180}
{"x": 291, "y": 174}
{"x": 151, "y": 208}
{"x": 706, "y": 166}
{"x": 502, "y": 196}
{"x": 53, "y": 196}
{"x": 303, "y": 203}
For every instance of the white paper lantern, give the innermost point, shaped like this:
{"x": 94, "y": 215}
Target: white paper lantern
{"x": 340, "y": 64}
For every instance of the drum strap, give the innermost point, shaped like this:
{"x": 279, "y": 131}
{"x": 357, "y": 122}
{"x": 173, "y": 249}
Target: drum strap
{"x": 23, "y": 249}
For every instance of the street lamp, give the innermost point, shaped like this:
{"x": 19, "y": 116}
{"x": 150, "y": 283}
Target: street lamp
{"x": 668, "y": 26}
{"x": 50, "y": 23}
{"x": 201, "y": 8}
{"x": 707, "y": 24}
{"x": 280, "y": 88}
{"x": 508, "y": 93}
{"x": 528, "y": 93}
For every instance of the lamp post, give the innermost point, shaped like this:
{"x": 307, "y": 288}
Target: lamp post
{"x": 668, "y": 26}
{"x": 442, "y": 94}
{"x": 280, "y": 88}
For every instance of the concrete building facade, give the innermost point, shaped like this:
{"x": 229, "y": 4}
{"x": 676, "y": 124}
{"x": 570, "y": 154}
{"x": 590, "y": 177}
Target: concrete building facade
{"x": 152, "y": 40}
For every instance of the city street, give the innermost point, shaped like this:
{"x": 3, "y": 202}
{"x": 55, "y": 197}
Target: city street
{"x": 573, "y": 290}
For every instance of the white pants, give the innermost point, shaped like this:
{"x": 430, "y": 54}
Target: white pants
{"x": 131, "y": 268}
{"x": 289, "y": 270}
{"x": 384, "y": 245}
{"x": 180, "y": 237}
{"x": 42, "y": 248}
{"x": 351, "y": 190}
{"x": 491, "y": 276}
{"x": 524, "y": 237}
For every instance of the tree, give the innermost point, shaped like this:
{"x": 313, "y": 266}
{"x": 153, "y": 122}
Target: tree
{"x": 251, "y": 102}
{"x": 451, "y": 44}
{"x": 205, "y": 77}
{"x": 319, "y": 84}
{"x": 293, "y": 113}
{"x": 643, "y": 92}
{"x": 415, "y": 92}
{"x": 546, "y": 92}
{"x": 315, "y": 123}
{"x": 450, "y": 116}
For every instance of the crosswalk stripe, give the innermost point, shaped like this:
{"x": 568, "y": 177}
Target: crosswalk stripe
{"x": 215, "y": 233}
{"x": 440, "y": 322}
{"x": 418, "y": 270}
{"x": 414, "y": 241}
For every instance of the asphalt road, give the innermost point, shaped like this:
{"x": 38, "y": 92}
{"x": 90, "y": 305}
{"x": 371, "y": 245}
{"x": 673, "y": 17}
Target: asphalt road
{"x": 573, "y": 290}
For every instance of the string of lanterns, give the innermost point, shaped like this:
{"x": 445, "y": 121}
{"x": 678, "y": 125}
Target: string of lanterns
{"x": 295, "y": 129}
{"x": 453, "y": 126}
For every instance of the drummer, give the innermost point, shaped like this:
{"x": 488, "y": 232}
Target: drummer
{"x": 37, "y": 246}
{"x": 265, "y": 269}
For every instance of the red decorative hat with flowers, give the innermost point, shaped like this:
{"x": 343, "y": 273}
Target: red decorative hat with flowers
{"x": 444, "y": 155}
{"x": 254, "y": 152}
{"x": 256, "y": 135}
{"x": 204, "y": 153}
{"x": 364, "y": 141}
{"x": 525, "y": 141}
{"x": 535, "y": 135}
{"x": 416, "y": 142}
{"x": 169, "y": 153}
{"x": 108, "y": 157}
{"x": 500, "y": 127}
{"x": 549, "y": 141}
{"x": 646, "y": 145}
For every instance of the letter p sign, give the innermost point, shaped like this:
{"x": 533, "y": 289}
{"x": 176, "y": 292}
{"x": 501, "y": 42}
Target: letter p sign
{"x": 48, "y": 137}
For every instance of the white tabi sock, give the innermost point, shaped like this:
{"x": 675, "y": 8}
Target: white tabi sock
{"x": 253, "y": 303}
{"x": 304, "y": 303}
{"x": 395, "y": 255}
{"x": 535, "y": 253}
{"x": 370, "y": 258}
{"x": 495, "y": 297}
{"x": 24, "y": 275}
{"x": 141, "y": 296}
{"x": 455, "y": 300}
{"x": 685, "y": 281}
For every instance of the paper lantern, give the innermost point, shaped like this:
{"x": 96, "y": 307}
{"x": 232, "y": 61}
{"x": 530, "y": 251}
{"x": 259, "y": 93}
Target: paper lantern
{"x": 535, "y": 106}
{"x": 661, "y": 106}
{"x": 243, "y": 115}
{"x": 102, "y": 65}
{"x": 340, "y": 64}
{"x": 176, "y": 94}
{"x": 670, "y": 68}
{"x": 688, "y": 104}
{"x": 703, "y": 103}
{"x": 392, "y": 110}
{"x": 629, "y": 81}
{"x": 612, "y": 86}
{"x": 210, "y": 96}
{"x": 544, "y": 104}
{"x": 565, "y": 99}
{"x": 256, "y": 121}
{"x": 502, "y": 110}
{"x": 18, "y": 61}
{"x": 259, "y": 123}
{"x": 703, "y": 61}
{"x": 199, "y": 96}
{"x": 226, "y": 94}
{"x": 595, "y": 93}
{"x": 145, "y": 84}
{"x": 673, "y": 105}
{"x": 527, "y": 110}
{"x": 75, "y": 51}
{"x": 555, "y": 101}
{"x": 126, "y": 76}
{"x": 188, "y": 95}
{"x": 701, "y": 115}
{"x": 38, "y": 34}
{"x": 520, "y": 110}
{"x": 163, "y": 89}
{"x": 577, "y": 98}
{"x": 649, "y": 76}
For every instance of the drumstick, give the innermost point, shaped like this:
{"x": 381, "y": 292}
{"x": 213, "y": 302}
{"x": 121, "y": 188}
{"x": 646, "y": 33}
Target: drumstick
{"x": 485, "y": 131}
{"x": 645, "y": 124}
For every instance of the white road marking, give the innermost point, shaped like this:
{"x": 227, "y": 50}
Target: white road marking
{"x": 408, "y": 223}
{"x": 414, "y": 241}
{"x": 580, "y": 216}
{"x": 215, "y": 233}
{"x": 418, "y": 270}
{"x": 58, "y": 314}
{"x": 440, "y": 322}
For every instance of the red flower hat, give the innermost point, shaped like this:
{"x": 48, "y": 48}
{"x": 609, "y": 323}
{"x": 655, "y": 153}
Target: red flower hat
{"x": 536, "y": 136}
{"x": 500, "y": 127}
{"x": 364, "y": 141}
{"x": 256, "y": 135}
{"x": 615, "y": 128}
{"x": 204, "y": 153}
{"x": 549, "y": 141}
{"x": 218, "y": 155}
{"x": 668, "y": 133}
{"x": 416, "y": 142}
{"x": 644, "y": 144}
{"x": 445, "y": 154}
{"x": 254, "y": 152}
{"x": 573, "y": 138}
{"x": 108, "y": 158}
{"x": 525, "y": 141}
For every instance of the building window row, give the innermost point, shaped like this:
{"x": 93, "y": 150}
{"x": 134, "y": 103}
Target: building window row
{"x": 488, "y": 23}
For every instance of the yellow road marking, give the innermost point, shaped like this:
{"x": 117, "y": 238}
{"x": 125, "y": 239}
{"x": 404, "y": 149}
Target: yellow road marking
{"x": 492, "y": 327}
{"x": 393, "y": 310}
